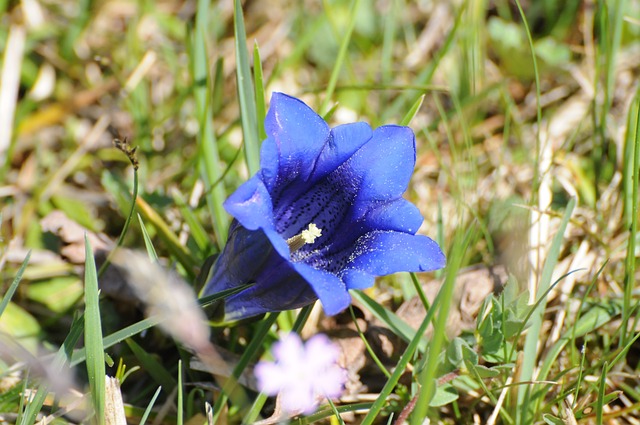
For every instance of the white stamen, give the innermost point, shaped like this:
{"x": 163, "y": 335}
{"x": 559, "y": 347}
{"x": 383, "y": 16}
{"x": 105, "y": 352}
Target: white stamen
{"x": 307, "y": 236}
{"x": 311, "y": 233}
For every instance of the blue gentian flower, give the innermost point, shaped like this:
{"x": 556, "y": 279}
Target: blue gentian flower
{"x": 323, "y": 215}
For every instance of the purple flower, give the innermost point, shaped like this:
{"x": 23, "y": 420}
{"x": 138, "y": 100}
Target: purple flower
{"x": 303, "y": 374}
{"x": 323, "y": 215}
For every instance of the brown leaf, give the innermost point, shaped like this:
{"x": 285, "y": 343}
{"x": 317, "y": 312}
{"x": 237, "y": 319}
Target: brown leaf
{"x": 473, "y": 285}
{"x": 71, "y": 235}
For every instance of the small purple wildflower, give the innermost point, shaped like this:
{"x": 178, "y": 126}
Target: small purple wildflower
{"x": 303, "y": 373}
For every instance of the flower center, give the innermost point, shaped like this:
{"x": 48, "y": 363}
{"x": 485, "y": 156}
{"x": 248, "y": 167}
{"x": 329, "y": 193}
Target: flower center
{"x": 307, "y": 236}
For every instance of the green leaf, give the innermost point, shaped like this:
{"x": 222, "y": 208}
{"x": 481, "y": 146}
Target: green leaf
{"x": 17, "y": 322}
{"x": 490, "y": 334}
{"x": 93, "y": 334}
{"x": 444, "y": 395}
{"x": 486, "y": 328}
{"x": 454, "y": 354}
{"x": 469, "y": 354}
{"x": 77, "y": 211}
{"x": 483, "y": 371}
{"x": 552, "y": 420}
{"x": 512, "y": 324}
{"x": 58, "y": 293}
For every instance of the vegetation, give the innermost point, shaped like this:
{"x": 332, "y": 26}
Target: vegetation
{"x": 127, "y": 124}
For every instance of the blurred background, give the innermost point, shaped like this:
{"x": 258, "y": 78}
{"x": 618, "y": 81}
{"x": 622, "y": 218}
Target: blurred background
{"x": 503, "y": 141}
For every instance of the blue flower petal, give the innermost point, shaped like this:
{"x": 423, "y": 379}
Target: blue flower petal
{"x": 345, "y": 140}
{"x": 251, "y": 205}
{"x": 383, "y": 167}
{"x": 357, "y": 279}
{"x": 249, "y": 257}
{"x": 279, "y": 287}
{"x": 382, "y": 253}
{"x": 330, "y": 289}
{"x": 297, "y": 135}
{"x": 335, "y": 247}
{"x": 290, "y": 191}
{"x": 232, "y": 267}
{"x": 399, "y": 215}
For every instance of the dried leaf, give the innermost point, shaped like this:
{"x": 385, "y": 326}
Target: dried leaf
{"x": 114, "y": 407}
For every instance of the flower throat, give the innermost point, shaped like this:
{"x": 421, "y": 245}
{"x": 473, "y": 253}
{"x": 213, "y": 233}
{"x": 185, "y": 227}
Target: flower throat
{"x": 307, "y": 236}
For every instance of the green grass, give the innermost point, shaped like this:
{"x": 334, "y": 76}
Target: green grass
{"x": 512, "y": 103}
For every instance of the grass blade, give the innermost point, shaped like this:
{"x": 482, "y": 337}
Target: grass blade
{"x": 630, "y": 147}
{"x": 123, "y": 146}
{"x": 147, "y": 241}
{"x": 367, "y": 346}
{"x": 14, "y": 285}
{"x": 261, "y": 109}
{"x": 412, "y": 111}
{"x": 602, "y": 386}
{"x": 249, "y": 354}
{"x": 609, "y": 44}
{"x": 132, "y": 330}
{"x": 81, "y": 355}
{"x": 536, "y": 73}
{"x": 154, "y": 368}
{"x": 390, "y": 319}
{"x": 93, "y": 334}
{"x": 198, "y": 232}
{"x": 427, "y": 377}
{"x": 168, "y": 237}
{"x": 180, "y": 407}
{"x": 399, "y": 369}
{"x": 33, "y": 407}
{"x": 630, "y": 260}
{"x": 425, "y": 76}
{"x": 210, "y": 168}
{"x": 533, "y": 334}
{"x": 147, "y": 411}
{"x": 246, "y": 97}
